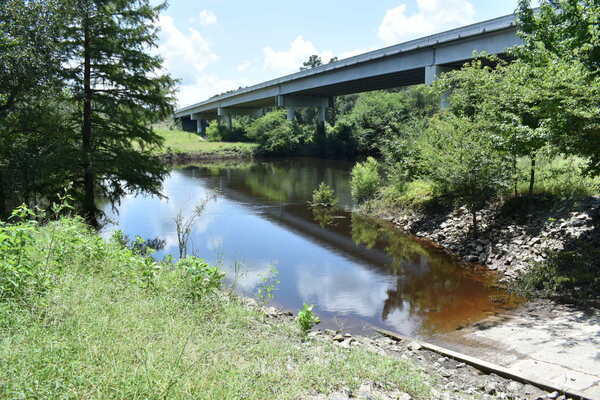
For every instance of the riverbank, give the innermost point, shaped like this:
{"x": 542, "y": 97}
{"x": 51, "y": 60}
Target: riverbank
{"x": 93, "y": 319}
{"x": 513, "y": 235}
{"x": 182, "y": 147}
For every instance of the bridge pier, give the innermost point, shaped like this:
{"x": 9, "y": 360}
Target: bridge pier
{"x": 201, "y": 123}
{"x": 292, "y": 102}
{"x": 432, "y": 73}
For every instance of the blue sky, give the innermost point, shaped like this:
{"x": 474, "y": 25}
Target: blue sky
{"x": 216, "y": 45}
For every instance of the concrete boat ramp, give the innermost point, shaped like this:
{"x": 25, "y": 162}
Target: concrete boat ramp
{"x": 540, "y": 341}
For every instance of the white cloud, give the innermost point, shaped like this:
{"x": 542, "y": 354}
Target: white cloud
{"x": 185, "y": 54}
{"x": 207, "y": 18}
{"x": 291, "y": 60}
{"x": 244, "y": 66}
{"x": 205, "y": 86}
{"x": 432, "y": 16}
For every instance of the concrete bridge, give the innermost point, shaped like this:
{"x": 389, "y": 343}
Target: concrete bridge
{"x": 410, "y": 63}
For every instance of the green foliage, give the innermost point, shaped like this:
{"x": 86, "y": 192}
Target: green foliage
{"x": 414, "y": 195}
{"x": 215, "y": 131}
{"x": 268, "y": 284}
{"x": 380, "y": 116}
{"x": 365, "y": 180}
{"x": 323, "y": 196}
{"x": 463, "y": 162}
{"x": 567, "y": 29}
{"x": 572, "y": 275}
{"x": 201, "y": 279}
{"x": 19, "y": 272}
{"x": 275, "y": 134}
{"x": 307, "y": 319}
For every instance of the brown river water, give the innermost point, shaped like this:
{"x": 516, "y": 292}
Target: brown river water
{"x": 359, "y": 272}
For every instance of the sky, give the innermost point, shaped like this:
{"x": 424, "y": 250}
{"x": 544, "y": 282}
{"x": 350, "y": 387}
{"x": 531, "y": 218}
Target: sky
{"x": 213, "y": 46}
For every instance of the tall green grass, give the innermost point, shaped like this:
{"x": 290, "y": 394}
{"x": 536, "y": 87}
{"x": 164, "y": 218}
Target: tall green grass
{"x": 108, "y": 323}
{"x": 178, "y": 141}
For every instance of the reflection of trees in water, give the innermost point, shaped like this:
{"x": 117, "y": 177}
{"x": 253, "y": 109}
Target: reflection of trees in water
{"x": 325, "y": 216}
{"x": 287, "y": 180}
{"x": 429, "y": 285}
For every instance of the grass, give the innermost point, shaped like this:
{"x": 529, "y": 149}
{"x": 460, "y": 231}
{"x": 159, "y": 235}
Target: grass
{"x": 558, "y": 176}
{"x": 102, "y": 329}
{"x": 178, "y": 141}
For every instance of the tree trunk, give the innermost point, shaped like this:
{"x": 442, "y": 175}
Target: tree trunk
{"x": 89, "y": 179}
{"x": 532, "y": 176}
{"x": 2, "y": 199}
{"x": 475, "y": 227}
{"x": 516, "y": 172}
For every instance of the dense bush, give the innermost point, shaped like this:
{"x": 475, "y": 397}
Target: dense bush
{"x": 275, "y": 134}
{"x": 323, "y": 196}
{"x": 365, "y": 180}
{"x": 463, "y": 163}
{"x": 218, "y": 132}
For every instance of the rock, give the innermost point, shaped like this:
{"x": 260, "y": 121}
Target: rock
{"x": 338, "y": 338}
{"x": 339, "y": 396}
{"x": 514, "y": 387}
{"x": 414, "y": 346}
{"x": 491, "y": 387}
{"x": 553, "y": 395}
{"x": 445, "y": 373}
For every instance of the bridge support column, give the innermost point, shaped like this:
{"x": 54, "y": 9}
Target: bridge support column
{"x": 292, "y": 102}
{"x": 201, "y": 123}
{"x": 226, "y": 114}
{"x": 291, "y": 113}
{"x": 432, "y": 73}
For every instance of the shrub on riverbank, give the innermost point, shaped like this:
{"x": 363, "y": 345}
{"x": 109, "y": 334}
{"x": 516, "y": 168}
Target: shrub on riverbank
{"x": 365, "y": 180}
{"x": 96, "y": 320}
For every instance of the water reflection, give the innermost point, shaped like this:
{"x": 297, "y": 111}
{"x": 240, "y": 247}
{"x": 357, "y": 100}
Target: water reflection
{"x": 356, "y": 270}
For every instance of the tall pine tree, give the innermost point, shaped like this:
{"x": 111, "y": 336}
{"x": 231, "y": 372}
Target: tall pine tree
{"x": 118, "y": 91}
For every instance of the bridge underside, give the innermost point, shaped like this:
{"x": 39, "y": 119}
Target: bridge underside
{"x": 411, "y": 63}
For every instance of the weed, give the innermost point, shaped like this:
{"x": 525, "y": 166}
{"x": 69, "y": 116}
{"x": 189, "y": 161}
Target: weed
{"x": 268, "y": 284}
{"x": 201, "y": 279}
{"x": 365, "y": 180}
{"x": 184, "y": 224}
{"x": 323, "y": 196}
{"x": 307, "y": 318}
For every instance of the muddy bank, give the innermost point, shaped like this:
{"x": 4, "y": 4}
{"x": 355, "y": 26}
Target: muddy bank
{"x": 188, "y": 158}
{"x": 512, "y": 235}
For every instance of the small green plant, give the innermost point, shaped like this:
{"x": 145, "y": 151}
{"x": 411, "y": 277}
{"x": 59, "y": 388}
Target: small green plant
{"x": 323, "y": 196}
{"x": 201, "y": 279}
{"x": 268, "y": 284}
{"x": 307, "y": 318}
{"x": 18, "y": 271}
{"x": 365, "y": 180}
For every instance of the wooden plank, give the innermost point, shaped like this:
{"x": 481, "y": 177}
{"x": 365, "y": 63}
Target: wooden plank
{"x": 486, "y": 366}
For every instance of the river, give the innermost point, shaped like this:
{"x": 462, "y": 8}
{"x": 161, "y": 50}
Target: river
{"x": 358, "y": 272}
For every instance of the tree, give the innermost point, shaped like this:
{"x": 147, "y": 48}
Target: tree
{"x": 32, "y": 132}
{"x": 568, "y": 29}
{"x": 29, "y": 56}
{"x": 312, "y": 62}
{"x": 564, "y": 38}
{"x": 463, "y": 161}
{"x": 118, "y": 91}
